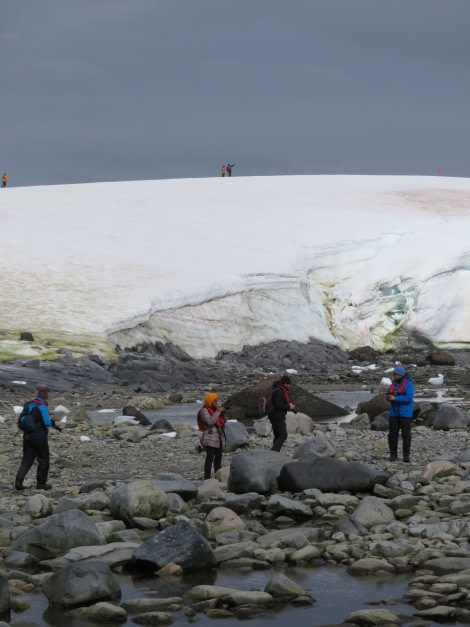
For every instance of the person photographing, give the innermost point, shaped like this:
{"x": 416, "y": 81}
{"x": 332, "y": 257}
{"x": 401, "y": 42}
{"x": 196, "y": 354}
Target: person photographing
{"x": 400, "y": 396}
{"x": 281, "y": 404}
{"x": 212, "y": 418}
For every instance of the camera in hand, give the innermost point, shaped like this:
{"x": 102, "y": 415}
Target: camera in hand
{"x": 226, "y": 406}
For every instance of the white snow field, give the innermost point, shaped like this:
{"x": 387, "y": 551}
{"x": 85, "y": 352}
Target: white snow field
{"x": 212, "y": 264}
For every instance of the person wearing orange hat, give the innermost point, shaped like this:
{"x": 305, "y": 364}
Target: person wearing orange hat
{"x": 212, "y": 416}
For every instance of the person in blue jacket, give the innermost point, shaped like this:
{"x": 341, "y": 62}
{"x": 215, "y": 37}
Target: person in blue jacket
{"x": 400, "y": 396}
{"x": 35, "y": 444}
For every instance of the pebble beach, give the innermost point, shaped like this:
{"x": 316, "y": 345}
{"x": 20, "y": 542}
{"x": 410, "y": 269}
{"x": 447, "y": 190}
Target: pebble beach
{"x": 414, "y": 523}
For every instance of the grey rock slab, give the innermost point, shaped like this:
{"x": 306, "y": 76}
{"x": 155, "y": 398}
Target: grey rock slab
{"x": 113, "y": 554}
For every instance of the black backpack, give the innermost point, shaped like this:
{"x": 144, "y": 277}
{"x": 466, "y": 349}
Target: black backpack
{"x": 30, "y": 418}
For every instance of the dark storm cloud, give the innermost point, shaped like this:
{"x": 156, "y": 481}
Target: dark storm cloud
{"x": 171, "y": 88}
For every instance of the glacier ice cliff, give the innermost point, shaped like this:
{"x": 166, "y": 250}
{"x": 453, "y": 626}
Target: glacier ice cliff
{"x": 212, "y": 264}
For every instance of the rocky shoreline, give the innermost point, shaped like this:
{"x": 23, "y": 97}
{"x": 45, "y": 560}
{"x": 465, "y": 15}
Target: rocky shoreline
{"x": 413, "y": 518}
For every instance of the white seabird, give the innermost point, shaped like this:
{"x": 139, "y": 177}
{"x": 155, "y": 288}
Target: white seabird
{"x": 436, "y": 381}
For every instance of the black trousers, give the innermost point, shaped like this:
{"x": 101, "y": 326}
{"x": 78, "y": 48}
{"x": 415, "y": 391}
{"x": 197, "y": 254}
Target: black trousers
{"x": 32, "y": 450}
{"x": 213, "y": 455}
{"x": 394, "y": 426}
{"x": 279, "y": 432}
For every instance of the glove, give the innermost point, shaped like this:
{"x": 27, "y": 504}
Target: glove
{"x": 56, "y": 427}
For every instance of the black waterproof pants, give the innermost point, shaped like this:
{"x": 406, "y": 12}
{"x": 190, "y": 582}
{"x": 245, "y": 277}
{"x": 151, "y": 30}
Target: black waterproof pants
{"x": 279, "y": 432}
{"x": 394, "y": 426}
{"x": 34, "y": 449}
{"x": 213, "y": 455}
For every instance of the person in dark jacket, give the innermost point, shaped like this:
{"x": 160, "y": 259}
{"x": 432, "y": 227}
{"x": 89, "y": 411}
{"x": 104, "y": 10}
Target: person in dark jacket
{"x": 277, "y": 416}
{"x": 213, "y": 417}
{"x": 400, "y": 396}
{"x": 229, "y": 168}
{"x": 35, "y": 444}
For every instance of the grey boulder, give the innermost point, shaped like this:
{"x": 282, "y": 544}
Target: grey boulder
{"x": 58, "y": 534}
{"x": 81, "y": 584}
{"x": 449, "y": 417}
{"x": 236, "y": 436}
{"x": 256, "y": 471}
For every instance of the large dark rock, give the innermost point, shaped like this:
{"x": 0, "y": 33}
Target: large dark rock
{"x": 364, "y": 353}
{"x": 255, "y": 471}
{"x": 441, "y": 359}
{"x": 180, "y": 544}
{"x": 380, "y": 422}
{"x": 58, "y": 534}
{"x": 130, "y": 410}
{"x": 329, "y": 475}
{"x": 313, "y": 406}
{"x": 81, "y": 583}
{"x": 374, "y": 406}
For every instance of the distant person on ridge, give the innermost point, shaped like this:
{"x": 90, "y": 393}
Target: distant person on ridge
{"x": 35, "y": 444}
{"x": 4, "y": 179}
{"x": 229, "y": 168}
{"x": 212, "y": 415}
{"x": 400, "y": 396}
{"x": 223, "y": 170}
{"x": 277, "y": 416}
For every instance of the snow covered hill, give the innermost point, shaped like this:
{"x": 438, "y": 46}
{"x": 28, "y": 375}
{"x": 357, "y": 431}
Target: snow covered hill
{"x": 213, "y": 264}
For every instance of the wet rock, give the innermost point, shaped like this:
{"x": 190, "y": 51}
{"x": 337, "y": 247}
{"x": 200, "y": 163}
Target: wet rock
{"x": 378, "y": 617}
{"x": 102, "y": 612}
{"x": 81, "y": 584}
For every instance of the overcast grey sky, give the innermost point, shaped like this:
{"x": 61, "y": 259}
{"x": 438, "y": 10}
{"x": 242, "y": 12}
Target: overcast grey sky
{"x": 142, "y": 89}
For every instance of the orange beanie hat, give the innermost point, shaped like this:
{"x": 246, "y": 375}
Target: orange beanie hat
{"x": 210, "y": 398}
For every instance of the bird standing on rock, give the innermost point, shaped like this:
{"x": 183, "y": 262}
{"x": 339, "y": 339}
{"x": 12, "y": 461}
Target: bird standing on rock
{"x": 436, "y": 381}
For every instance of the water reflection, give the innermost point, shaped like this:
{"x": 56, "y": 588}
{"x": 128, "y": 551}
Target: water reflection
{"x": 335, "y": 592}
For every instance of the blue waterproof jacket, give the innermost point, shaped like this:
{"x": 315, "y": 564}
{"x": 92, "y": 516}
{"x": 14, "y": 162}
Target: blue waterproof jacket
{"x": 41, "y": 432}
{"x": 402, "y": 406}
